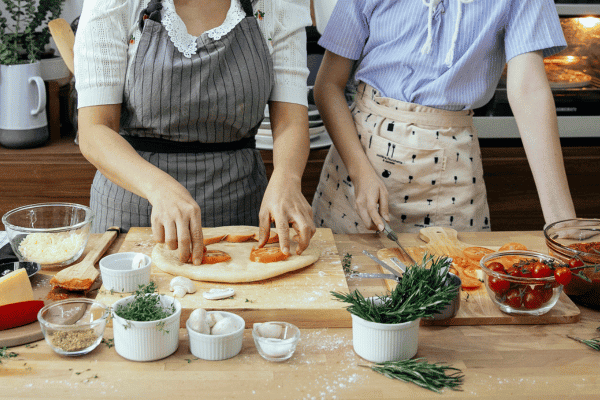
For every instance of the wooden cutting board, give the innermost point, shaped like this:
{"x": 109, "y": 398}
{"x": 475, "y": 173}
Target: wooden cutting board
{"x": 476, "y": 307}
{"x": 301, "y": 297}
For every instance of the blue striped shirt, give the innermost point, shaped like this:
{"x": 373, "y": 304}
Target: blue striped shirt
{"x": 389, "y": 35}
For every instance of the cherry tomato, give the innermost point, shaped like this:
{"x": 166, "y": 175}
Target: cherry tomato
{"x": 497, "y": 267}
{"x": 541, "y": 270}
{"x": 562, "y": 275}
{"x": 575, "y": 263}
{"x": 526, "y": 271}
{"x": 513, "y": 298}
{"x": 532, "y": 299}
{"x": 497, "y": 285}
{"x": 516, "y": 272}
{"x": 545, "y": 292}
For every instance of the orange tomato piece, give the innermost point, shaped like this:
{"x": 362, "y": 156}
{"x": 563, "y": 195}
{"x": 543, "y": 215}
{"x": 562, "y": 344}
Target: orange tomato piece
{"x": 213, "y": 239}
{"x": 273, "y": 237}
{"x": 267, "y": 254}
{"x": 215, "y": 256}
{"x": 239, "y": 237}
{"x": 476, "y": 253}
{"x": 513, "y": 246}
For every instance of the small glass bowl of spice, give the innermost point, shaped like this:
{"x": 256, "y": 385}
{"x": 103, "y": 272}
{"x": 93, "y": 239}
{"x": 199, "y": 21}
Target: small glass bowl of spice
{"x": 74, "y": 326}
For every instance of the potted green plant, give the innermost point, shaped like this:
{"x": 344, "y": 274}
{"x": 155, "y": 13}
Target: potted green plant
{"x": 24, "y": 36}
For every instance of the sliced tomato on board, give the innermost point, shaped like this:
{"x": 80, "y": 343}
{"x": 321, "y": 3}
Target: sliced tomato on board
{"x": 267, "y": 254}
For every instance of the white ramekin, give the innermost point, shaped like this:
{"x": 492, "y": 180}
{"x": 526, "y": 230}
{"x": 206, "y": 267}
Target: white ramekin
{"x": 217, "y": 347}
{"x": 377, "y": 342}
{"x": 147, "y": 341}
{"x": 118, "y": 275}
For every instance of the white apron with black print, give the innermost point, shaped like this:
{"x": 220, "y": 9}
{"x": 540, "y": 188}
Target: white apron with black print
{"x": 429, "y": 160}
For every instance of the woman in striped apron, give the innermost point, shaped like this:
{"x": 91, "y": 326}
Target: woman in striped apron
{"x": 407, "y": 150}
{"x": 194, "y": 94}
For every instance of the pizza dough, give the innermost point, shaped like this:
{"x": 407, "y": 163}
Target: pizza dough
{"x": 560, "y": 77}
{"x": 239, "y": 268}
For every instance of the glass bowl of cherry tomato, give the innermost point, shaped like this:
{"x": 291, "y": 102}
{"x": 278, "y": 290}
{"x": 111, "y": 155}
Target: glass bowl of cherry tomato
{"x": 577, "y": 242}
{"x": 524, "y": 282}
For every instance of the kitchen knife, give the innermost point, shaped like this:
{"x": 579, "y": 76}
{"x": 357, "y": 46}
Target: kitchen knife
{"x": 394, "y": 237}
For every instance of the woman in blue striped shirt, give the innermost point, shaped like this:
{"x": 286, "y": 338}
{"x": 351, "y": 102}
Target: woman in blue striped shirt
{"x": 407, "y": 151}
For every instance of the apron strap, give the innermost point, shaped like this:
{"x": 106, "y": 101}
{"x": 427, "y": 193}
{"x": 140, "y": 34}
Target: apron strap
{"x": 247, "y": 6}
{"x": 156, "y": 145}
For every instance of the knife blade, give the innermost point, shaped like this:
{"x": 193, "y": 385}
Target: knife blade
{"x": 384, "y": 265}
{"x": 377, "y": 276}
{"x": 394, "y": 237}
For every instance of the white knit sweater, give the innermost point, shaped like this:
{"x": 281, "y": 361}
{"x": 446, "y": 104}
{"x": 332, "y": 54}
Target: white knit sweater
{"x": 108, "y": 35}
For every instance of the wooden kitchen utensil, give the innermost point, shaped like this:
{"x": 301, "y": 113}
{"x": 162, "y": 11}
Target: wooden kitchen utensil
{"x": 65, "y": 39}
{"x": 82, "y": 275}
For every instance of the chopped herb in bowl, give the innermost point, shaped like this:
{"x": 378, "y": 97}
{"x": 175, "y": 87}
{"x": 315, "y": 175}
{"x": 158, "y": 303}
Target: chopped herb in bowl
{"x": 146, "y": 306}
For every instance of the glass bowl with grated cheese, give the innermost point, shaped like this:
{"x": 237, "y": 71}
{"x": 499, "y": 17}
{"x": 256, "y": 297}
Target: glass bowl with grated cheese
{"x": 51, "y": 234}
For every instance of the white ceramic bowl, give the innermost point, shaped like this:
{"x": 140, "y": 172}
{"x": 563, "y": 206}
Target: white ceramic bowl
{"x": 118, "y": 274}
{"x": 147, "y": 341}
{"x": 278, "y": 348}
{"x": 378, "y": 343}
{"x": 217, "y": 347}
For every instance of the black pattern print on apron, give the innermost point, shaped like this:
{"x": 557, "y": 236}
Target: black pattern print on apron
{"x": 196, "y": 119}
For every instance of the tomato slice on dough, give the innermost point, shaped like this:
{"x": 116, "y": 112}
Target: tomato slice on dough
{"x": 273, "y": 237}
{"x": 239, "y": 237}
{"x": 267, "y": 254}
{"x": 215, "y": 256}
{"x": 213, "y": 239}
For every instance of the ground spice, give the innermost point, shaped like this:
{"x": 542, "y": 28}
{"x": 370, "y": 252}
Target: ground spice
{"x": 73, "y": 340}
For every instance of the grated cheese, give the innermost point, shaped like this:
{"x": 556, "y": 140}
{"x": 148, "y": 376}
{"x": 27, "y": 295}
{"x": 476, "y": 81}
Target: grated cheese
{"x": 51, "y": 248}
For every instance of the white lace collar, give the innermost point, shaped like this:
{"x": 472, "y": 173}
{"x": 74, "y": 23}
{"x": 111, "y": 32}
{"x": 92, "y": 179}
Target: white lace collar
{"x": 186, "y": 43}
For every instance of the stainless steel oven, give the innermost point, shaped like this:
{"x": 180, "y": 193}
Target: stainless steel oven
{"x": 574, "y": 76}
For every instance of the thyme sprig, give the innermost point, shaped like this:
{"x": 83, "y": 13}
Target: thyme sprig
{"x": 146, "y": 306}
{"x": 421, "y": 293}
{"x": 5, "y": 354}
{"x": 432, "y": 376}
{"x": 593, "y": 343}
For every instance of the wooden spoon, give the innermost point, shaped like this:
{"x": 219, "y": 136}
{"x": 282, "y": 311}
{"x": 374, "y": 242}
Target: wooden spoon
{"x": 82, "y": 275}
{"x": 65, "y": 40}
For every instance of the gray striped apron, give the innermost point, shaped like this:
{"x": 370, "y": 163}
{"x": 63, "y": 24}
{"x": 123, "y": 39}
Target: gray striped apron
{"x": 196, "y": 119}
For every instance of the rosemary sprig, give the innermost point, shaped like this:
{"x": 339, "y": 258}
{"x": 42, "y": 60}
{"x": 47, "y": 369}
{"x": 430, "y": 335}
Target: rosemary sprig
{"x": 421, "y": 293}
{"x": 346, "y": 263}
{"x": 145, "y": 306}
{"x": 430, "y": 376}
{"x": 593, "y": 343}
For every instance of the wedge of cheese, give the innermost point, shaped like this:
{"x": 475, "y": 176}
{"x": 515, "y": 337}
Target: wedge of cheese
{"x": 15, "y": 287}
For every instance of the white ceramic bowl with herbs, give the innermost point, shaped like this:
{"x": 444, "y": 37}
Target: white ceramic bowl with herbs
{"x": 146, "y": 325}
{"x": 386, "y": 328}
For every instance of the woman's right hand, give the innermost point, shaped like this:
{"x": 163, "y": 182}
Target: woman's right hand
{"x": 176, "y": 221}
{"x": 371, "y": 198}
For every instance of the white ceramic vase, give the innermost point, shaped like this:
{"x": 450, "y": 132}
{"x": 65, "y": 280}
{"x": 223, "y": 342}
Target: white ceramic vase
{"x": 23, "y": 120}
{"x": 147, "y": 341}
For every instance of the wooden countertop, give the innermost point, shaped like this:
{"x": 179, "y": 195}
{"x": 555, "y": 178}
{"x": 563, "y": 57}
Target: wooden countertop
{"x": 521, "y": 361}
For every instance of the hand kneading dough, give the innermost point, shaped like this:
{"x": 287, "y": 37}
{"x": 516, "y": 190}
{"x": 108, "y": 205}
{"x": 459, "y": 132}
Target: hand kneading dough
{"x": 239, "y": 268}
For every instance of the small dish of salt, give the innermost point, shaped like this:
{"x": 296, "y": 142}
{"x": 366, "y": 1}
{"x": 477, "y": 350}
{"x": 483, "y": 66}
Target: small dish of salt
{"x": 275, "y": 341}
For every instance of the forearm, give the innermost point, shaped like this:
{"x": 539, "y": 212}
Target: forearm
{"x": 291, "y": 142}
{"x": 533, "y": 106}
{"x": 114, "y": 157}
